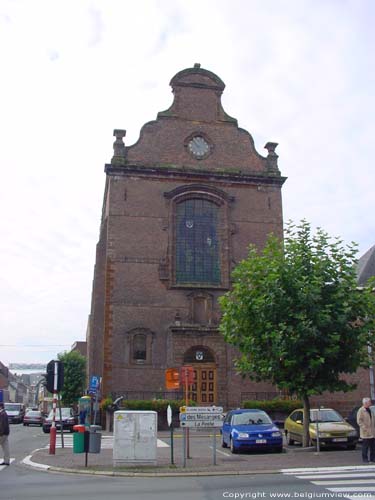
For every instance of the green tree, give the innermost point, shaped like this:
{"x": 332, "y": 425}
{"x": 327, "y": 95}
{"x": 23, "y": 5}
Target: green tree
{"x": 74, "y": 376}
{"x": 296, "y": 315}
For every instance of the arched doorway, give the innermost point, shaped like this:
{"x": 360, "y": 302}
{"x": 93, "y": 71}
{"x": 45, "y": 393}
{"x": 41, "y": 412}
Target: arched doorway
{"x": 203, "y": 390}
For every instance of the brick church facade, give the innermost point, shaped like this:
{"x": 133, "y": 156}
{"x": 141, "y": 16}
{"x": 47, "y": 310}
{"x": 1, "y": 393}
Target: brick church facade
{"x": 180, "y": 208}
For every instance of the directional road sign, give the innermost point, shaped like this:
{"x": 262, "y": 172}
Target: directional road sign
{"x": 198, "y": 416}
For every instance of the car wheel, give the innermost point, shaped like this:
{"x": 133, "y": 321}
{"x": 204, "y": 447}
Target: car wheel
{"x": 24, "y": 424}
{"x": 223, "y": 443}
{"x": 351, "y": 447}
{"x": 279, "y": 449}
{"x": 233, "y": 449}
{"x": 289, "y": 441}
{"x": 46, "y": 431}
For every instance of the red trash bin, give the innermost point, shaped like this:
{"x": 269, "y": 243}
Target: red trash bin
{"x": 79, "y": 428}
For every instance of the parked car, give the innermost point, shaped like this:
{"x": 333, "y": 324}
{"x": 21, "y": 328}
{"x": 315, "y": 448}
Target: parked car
{"x": 33, "y": 417}
{"x": 333, "y": 429}
{"x": 15, "y": 412}
{"x": 352, "y": 418}
{"x": 68, "y": 420}
{"x": 251, "y": 430}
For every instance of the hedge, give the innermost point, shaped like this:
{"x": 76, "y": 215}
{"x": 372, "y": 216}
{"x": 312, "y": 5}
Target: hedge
{"x": 158, "y": 405}
{"x": 282, "y": 405}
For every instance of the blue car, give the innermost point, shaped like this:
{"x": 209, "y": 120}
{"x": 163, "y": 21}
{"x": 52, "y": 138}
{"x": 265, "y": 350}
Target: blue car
{"x": 251, "y": 430}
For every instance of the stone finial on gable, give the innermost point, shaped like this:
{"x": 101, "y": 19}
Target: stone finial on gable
{"x": 119, "y": 152}
{"x": 272, "y": 158}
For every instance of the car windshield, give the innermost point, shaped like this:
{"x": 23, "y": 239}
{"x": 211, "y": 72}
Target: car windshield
{"x": 33, "y": 413}
{"x": 325, "y": 416}
{"x": 10, "y": 407}
{"x": 65, "y": 413}
{"x": 251, "y": 418}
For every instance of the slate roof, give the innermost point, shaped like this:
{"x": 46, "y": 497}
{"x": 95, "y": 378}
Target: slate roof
{"x": 366, "y": 266}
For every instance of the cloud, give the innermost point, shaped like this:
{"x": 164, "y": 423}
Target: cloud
{"x": 300, "y": 73}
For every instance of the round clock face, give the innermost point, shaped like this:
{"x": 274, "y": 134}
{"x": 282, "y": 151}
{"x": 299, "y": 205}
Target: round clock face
{"x": 198, "y": 147}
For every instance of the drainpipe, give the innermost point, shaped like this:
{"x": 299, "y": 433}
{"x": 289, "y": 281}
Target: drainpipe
{"x": 371, "y": 373}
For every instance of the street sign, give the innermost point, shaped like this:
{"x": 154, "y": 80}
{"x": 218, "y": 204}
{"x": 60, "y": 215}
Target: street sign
{"x": 201, "y": 409}
{"x": 172, "y": 378}
{"x": 187, "y": 375}
{"x": 94, "y": 384}
{"x": 198, "y": 416}
{"x": 169, "y": 415}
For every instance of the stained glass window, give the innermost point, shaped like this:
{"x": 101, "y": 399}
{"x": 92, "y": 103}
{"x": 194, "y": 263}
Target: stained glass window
{"x": 197, "y": 243}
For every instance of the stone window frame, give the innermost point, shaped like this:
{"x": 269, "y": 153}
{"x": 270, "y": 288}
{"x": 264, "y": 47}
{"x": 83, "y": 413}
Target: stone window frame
{"x": 222, "y": 200}
{"x": 209, "y": 300}
{"x": 130, "y": 346}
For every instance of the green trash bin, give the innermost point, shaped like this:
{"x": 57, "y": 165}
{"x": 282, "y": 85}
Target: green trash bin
{"x": 79, "y": 439}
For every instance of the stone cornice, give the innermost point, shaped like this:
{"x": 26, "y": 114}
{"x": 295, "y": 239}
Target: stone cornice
{"x": 169, "y": 171}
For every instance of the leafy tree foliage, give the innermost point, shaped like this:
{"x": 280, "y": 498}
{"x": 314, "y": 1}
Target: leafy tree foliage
{"x": 74, "y": 376}
{"x": 296, "y": 315}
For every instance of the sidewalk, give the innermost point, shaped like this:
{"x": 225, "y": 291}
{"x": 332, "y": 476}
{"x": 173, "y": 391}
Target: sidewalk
{"x": 200, "y": 463}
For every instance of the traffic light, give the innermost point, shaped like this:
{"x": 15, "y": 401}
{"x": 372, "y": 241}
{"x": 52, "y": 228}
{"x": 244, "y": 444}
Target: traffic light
{"x": 50, "y": 376}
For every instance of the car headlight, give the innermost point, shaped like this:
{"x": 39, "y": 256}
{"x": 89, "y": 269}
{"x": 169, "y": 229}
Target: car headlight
{"x": 242, "y": 435}
{"x": 276, "y": 434}
{"x": 324, "y": 434}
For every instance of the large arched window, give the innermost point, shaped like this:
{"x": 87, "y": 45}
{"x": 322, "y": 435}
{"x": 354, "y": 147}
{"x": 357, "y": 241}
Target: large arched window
{"x": 197, "y": 242}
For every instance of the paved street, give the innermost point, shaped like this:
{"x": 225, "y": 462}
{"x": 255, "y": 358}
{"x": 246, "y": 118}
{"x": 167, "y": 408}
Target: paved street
{"x": 19, "y": 483}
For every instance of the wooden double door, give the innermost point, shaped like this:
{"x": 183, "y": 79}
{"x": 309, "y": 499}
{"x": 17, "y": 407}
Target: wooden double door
{"x": 203, "y": 389}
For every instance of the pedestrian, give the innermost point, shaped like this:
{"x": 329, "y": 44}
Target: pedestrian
{"x": 82, "y": 416}
{"x": 4, "y": 433}
{"x": 365, "y": 420}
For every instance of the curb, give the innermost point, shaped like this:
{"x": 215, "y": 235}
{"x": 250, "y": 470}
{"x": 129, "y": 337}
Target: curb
{"x": 48, "y": 468}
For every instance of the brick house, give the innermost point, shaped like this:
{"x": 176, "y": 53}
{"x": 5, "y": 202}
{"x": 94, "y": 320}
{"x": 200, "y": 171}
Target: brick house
{"x": 180, "y": 208}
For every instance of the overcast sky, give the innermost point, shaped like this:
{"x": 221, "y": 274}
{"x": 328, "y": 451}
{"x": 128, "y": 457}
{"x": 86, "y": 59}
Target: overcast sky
{"x": 300, "y": 73}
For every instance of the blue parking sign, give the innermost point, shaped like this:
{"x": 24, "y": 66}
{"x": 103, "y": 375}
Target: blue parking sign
{"x": 94, "y": 383}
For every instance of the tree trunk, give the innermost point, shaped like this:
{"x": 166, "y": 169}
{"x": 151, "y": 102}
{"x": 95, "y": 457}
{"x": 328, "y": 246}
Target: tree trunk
{"x": 306, "y": 420}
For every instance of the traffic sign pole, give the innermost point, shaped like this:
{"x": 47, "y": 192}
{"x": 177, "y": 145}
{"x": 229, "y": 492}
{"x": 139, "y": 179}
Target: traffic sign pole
{"x": 52, "y": 440}
{"x": 214, "y": 446}
{"x": 187, "y": 402}
{"x": 184, "y": 447}
{"x": 170, "y": 423}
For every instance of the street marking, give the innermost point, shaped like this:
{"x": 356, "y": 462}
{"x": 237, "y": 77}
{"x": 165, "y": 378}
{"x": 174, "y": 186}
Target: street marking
{"x": 347, "y": 468}
{"x": 357, "y": 489}
{"x": 358, "y": 497}
{"x": 162, "y": 444}
{"x": 106, "y": 444}
{"x": 352, "y": 481}
{"x": 2, "y": 467}
{"x": 336, "y": 476}
{"x": 222, "y": 452}
{"x": 348, "y": 482}
{"x": 27, "y": 461}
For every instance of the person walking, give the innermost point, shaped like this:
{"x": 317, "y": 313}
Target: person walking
{"x": 365, "y": 420}
{"x": 4, "y": 433}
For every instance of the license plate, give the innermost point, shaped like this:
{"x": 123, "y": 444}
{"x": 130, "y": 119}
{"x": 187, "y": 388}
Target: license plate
{"x": 261, "y": 441}
{"x": 339, "y": 440}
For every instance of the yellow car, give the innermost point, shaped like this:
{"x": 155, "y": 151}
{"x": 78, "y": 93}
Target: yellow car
{"x": 333, "y": 429}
